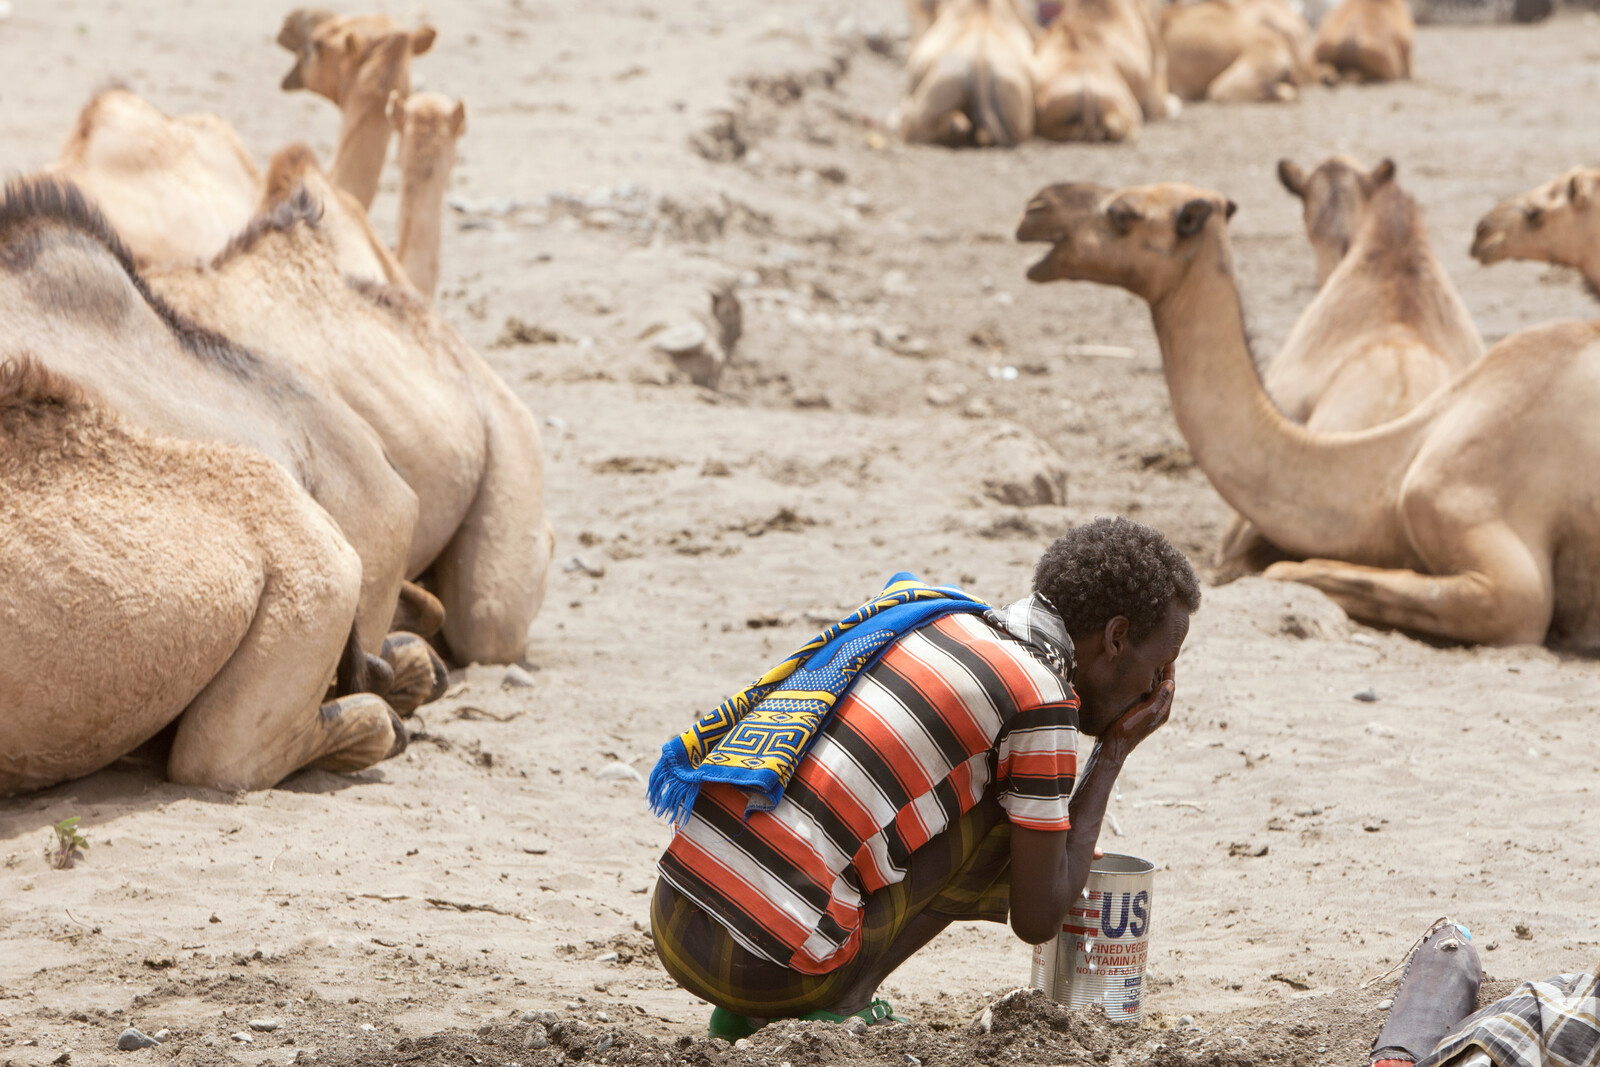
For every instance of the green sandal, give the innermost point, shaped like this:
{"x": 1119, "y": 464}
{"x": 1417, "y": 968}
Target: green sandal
{"x": 732, "y": 1027}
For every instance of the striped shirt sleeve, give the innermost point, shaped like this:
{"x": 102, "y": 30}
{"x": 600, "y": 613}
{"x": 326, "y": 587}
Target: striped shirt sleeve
{"x": 1038, "y": 763}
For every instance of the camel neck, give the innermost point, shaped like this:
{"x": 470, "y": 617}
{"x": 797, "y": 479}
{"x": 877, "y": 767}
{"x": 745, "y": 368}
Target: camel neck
{"x": 1313, "y": 494}
{"x": 363, "y": 144}
{"x": 422, "y": 186}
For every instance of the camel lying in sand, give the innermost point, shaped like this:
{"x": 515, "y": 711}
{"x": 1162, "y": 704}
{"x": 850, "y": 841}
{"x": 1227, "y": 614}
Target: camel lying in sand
{"x": 356, "y": 61}
{"x": 184, "y": 571}
{"x": 1367, "y": 40}
{"x": 1099, "y": 72}
{"x": 971, "y": 81}
{"x": 429, "y": 125}
{"x": 453, "y": 430}
{"x": 1386, "y": 330}
{"x": 1469, "y": 518}
{"x": 1236, "y": 50}
{"x": 175, "y": 189}
{"x": 1559, "y": 222}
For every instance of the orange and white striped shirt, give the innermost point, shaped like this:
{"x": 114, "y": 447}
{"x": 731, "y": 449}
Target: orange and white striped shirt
{"x": 949, "y": 709}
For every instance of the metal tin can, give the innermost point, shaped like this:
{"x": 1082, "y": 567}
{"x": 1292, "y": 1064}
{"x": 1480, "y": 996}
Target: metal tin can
{"x": 1098, "y": 957}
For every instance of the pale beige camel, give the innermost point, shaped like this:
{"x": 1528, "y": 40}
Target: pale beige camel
{"x": 149, "y": 580}
{"x": 360, "y": 252}
{"x": 1471, "y": 518}
{"x": 970, "y": 76}
{"x": 1385, "y": 331}
{"x": 1236, "y": 50}
{"x": 175, "y": 189}
{"x": 81, "y": 307}
{"x": 356, "y": 61}
{"x": 921, "y": 14}
{"x": 428, "y": 125}
{"x": 1558, "y": 222}
{"x": 1100, "y": 71}
{"x": 453, "y": 430}
{"x": 1367, "y": 40}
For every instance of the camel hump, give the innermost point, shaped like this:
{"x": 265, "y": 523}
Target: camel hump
{"x": 42, "y": 198}
{"x": 288, "y": 170}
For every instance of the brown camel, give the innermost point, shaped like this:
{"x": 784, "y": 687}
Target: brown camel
{"x": 1367, "y": 40}
{"x": 82, "y": 309}
{"x": 1099, "y": 72}
{"x": 1236, "y": 50}
{"x": 356, "y": 61}
{"x": 453, "y": 430}
{"x": 1385, "y": 331}
{"x": 428, "y": 125}
{"x": 175, "y": 189}
{"x": 1558, "y": 222}
{"x": 1469, "y": 518}
{"x": 149, "y": 580}
{"x": 971, "y": 81}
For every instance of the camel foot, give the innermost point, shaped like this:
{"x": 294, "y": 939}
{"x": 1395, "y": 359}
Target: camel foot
{"x": 418, "y": 611}
{"x": 362, "y": 730}
{"x": 419, "y": 674}
{"x": 359, "y": 672}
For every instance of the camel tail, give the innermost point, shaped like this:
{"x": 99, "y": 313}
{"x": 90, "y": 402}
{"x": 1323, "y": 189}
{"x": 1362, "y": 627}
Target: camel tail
{"x": 360, "y": 673}
{"x": 988, "y": 119}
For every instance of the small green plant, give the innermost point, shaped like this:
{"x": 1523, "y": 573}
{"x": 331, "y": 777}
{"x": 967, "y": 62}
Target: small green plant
{"x": 69, "y": 845}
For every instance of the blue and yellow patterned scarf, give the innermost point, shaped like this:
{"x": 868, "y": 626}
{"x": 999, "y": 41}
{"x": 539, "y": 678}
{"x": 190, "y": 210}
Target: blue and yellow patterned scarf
{"x": 756, "y": 738}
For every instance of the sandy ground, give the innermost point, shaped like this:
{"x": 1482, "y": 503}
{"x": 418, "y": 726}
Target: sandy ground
{"x": 1303, "y": 839}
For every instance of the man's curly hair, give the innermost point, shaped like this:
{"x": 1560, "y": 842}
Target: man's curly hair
{"x": 1110, "y": 567}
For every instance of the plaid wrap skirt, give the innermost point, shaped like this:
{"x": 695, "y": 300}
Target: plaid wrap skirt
{"x": 962, "y": 874}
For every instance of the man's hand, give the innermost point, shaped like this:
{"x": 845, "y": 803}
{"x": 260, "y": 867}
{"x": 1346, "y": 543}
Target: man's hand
{"x": 1144, "y": 718}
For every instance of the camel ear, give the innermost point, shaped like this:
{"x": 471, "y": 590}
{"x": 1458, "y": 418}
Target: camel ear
{"x": 396, "y": 110}
{"x": 352, "y": 45}
{"x": 422, "y": 39}
{"x": 1192, "y": 217}
{"x": 1232, "y": 210}
{"x": 458, "y": 119}
{"x": 1384, "y": 174}
{"x": 1292, "y": 177}
{"x": 1583, "y": 186}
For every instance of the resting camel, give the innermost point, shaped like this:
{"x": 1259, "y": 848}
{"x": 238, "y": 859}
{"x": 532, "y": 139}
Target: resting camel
{"x": 428, "y": 125}
{"x": 356, "y": 61}
{"x": 971, "y": 82}
{"x": 175, "y": 189}
{"x": 1385, "y": 330}
{"x": 1099, "y": 72}
{"x": 1559, "y": 222}
{"x": 73, "y": 299}
{"x": 1470, "y": 518}
{"x": 1367, "y": 40}
{"x": 1236, "y": 50}
{"x": 453, "y": 430}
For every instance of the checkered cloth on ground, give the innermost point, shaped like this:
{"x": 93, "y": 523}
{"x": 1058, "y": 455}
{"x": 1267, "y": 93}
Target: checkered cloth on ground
{"x": 1554, "y": 1023}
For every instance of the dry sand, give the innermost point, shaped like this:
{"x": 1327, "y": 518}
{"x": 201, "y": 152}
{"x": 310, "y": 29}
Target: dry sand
{"x": 869, "y": 425}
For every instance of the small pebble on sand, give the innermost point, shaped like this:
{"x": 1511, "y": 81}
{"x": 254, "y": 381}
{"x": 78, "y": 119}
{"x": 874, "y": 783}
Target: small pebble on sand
{"x": 538, "y": 1036}
{"x": 1367, "y": 696}
{"x": 264, "y": 1026}
{"x": 517, "y": 678}
{"x": 131, "y": 1040}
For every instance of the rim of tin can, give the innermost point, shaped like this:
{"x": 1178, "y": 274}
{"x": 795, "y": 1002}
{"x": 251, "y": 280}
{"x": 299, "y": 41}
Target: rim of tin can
{"x": 1119, "y": 863}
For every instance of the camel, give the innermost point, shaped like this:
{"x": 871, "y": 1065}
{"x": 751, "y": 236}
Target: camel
{"x": 360, "y": 252}
{"x": 921, "y": 14}
{"x": 356, "y": 61}
{"x": 1385, "y": 331}
{"x": 1099, "y": 72}
{"x": 175, "y": 189}
{"x": 1469, "y": 519}
{"x": 150, "y": 580}
{"x": 1558, "y": 222}
{"x": 428, "y": 125}
{"x": 1236, "y": 50}
{"x": 453, "y": 430}
{"x": 86, "y": 313}
{"x": 1367, "y": 40}
{"x": 971, "y": 81}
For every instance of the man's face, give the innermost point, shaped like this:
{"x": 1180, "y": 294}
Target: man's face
{"x": 1116, "y": 673}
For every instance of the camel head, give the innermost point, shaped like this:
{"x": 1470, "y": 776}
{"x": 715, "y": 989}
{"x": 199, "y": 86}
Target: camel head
{"x": 1554, "y": 223}
{"x": 334, "y": 53}
{"x": 428, "y": 125}
{"x": 1334, "y": 200}
{"x": 1142, "y": 239}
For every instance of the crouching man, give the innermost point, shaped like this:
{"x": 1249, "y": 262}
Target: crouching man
{"x": 912, "y": 766}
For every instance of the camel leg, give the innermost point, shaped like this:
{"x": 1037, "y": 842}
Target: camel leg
{"x": 260, "y": 718}
{"x": 419, "y": 673}
{"x": 1499, "y": 596}
{"x": 1244, "y": 551}
{"x": 491, "y": 576}
{"x": 418, "y": 611}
